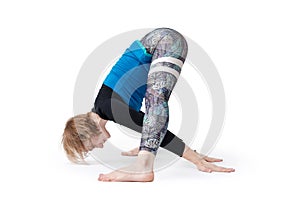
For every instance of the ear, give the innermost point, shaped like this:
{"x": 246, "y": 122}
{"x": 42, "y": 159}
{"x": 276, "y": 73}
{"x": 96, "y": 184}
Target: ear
{"x": 95, "y": 117}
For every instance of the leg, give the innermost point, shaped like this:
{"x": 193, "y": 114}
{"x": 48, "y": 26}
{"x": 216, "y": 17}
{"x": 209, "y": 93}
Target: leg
{"x": 169, "y": 50}
{"x": 202, "y": 162}
{"x": 107, "y": 100}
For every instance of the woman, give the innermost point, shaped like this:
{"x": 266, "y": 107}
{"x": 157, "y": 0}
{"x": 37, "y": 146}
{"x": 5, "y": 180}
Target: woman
{"x": 148, "y": 69}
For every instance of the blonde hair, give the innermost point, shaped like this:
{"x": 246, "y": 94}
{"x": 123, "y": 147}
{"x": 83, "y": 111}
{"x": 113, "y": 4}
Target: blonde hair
{"x": 78, "y": 129}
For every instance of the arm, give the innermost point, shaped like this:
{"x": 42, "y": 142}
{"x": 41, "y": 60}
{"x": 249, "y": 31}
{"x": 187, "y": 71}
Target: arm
{"x": 202, "y": 162}
{"x": 170, "y": 142}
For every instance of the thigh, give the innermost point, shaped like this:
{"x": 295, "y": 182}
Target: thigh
{"x": 168, "y": 57}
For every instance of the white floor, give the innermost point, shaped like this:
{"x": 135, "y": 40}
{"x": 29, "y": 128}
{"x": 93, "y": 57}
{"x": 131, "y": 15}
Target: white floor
{"x": 259, "y": 174}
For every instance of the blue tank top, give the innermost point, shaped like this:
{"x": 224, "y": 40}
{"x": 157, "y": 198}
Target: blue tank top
{"x": 128, "y": 77}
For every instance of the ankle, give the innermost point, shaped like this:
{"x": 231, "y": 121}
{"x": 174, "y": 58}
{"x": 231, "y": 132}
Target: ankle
{"x": 145, "y": 159}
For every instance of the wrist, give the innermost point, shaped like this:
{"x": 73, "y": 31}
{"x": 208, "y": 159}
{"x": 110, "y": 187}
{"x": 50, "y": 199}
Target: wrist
{"x": 191, "y": 155}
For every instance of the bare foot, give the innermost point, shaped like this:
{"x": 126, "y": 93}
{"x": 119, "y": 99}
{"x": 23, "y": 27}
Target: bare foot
{"x": 140, "y": 171}
{"x": 123, "y": 175}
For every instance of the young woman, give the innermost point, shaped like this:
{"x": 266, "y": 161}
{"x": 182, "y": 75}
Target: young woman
{"x": 148, "y": 69}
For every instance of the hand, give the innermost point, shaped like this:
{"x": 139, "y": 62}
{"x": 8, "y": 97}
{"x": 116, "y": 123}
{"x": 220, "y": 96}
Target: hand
{"x": 133, "y": 152}
{"x": 204, "y": 163}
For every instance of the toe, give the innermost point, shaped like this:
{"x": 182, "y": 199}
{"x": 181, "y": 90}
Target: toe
{"x": 101, "y": 177}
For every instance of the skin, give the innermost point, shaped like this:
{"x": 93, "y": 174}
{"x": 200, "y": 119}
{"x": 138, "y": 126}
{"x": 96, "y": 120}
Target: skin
{"x": 203, "y": 163}
{"x": 142, "y": 169}
{"x": 98, "y": 141}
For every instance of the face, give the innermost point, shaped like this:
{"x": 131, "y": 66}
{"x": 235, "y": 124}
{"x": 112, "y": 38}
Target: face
{"x": 97, "y": 141}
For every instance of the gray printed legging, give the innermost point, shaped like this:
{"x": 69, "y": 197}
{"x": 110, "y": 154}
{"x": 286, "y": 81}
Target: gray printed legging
{"x": 169, "y": 49}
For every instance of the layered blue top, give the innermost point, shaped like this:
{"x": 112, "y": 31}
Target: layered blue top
{"x": 128, "y": 77}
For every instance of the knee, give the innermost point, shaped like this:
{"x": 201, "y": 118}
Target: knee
{"x": 159, "y": 97}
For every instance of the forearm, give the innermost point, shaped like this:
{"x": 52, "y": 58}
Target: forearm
{"x": 190, "y": 155}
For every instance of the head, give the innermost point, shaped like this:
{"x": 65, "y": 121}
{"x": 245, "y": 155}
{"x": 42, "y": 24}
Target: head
{"x": 82, "y": 134}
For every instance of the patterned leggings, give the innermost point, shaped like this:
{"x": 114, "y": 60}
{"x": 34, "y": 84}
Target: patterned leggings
{"x": 169, "y": 50}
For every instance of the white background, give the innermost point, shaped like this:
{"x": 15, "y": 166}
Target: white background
{"x": 254, "y": 44}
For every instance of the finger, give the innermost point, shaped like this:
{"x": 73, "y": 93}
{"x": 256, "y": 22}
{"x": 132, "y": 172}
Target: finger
{"x": 128, "y": 153}
{"x": 210, "y": 159}
{"x": 133, "y": 152}
{"x": 216, "y": 168}
{"x": 204, "y": 169}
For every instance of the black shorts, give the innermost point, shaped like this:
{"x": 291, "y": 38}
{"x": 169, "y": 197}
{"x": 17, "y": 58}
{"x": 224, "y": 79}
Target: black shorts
{"x": 110, "y": 106}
